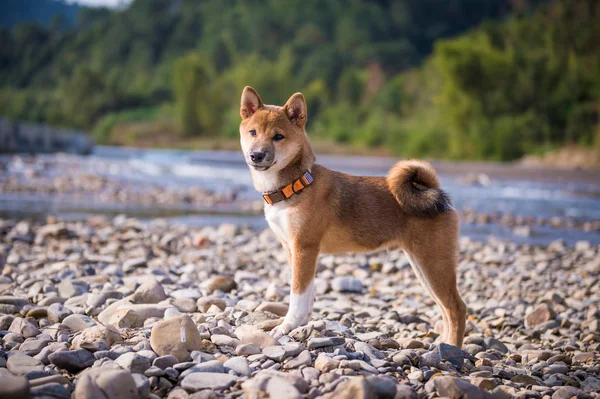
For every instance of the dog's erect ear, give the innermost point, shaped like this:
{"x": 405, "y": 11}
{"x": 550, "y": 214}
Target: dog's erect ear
{"x": 295, "y": 108}
{"x": 250, "y": 103}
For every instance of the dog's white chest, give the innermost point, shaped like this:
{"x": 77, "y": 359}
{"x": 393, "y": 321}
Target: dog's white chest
{"x": 278, "y": 218}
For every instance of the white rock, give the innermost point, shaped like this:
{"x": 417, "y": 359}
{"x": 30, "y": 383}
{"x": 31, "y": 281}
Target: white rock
{"x": 177, "y": 336}
{"x": 346, "y": 284}
{"x": 149, "y": 292}
{"x": 214, "y": 381}
{"x": 252, "y": 335}
{"x": 105, "y": 382}
{"x": 238, "y": 364}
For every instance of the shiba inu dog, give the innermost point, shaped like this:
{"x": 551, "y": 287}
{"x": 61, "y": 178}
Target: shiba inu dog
{"x": 315, "y": 210}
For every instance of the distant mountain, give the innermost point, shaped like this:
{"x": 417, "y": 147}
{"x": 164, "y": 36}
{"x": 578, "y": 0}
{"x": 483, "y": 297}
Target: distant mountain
{"x": 40, "y": 12}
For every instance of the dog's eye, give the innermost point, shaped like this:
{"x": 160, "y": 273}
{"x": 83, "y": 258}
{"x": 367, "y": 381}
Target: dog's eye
{"x": 253, "y": 133}
{"x": 278, "y": 137}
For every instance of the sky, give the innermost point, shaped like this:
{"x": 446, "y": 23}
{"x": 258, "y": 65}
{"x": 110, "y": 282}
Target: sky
{"x": 106, "y": 3}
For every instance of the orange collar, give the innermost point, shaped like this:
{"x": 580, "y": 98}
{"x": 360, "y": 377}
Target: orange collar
{"x": 293, "y": 188}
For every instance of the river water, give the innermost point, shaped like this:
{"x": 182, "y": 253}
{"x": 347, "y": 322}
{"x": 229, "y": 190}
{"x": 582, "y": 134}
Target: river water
{"x": 481, "y": 187}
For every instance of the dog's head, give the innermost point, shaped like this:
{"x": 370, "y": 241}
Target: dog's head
{"x": 271, "y": 136}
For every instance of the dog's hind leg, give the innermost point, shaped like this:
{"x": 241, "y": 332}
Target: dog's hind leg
{"x": 442, "y": 288}
{"x": 434, "y": 258}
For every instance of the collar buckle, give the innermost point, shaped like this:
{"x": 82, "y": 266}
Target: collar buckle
{"x": 267, "y": 199}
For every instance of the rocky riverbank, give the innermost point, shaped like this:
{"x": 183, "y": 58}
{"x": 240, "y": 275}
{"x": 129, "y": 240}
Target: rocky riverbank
{"x": 124, "y": 309}
{"x": 101, "y": 185}
{"x": 57, "y": 178}
{"x": 521, "y": 225}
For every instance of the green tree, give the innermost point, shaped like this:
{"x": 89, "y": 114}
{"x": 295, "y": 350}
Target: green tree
{"x": 191, "y": 82}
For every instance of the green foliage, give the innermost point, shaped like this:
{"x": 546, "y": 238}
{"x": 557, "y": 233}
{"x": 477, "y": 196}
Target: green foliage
{"x": 511, "y": 87}
{"x": 137, "y": 53}
{"x": 104, "y": 128}
{"x": 375, "y": 73}
{"x": 339, "y": 122}
{"x": 351, "y": 86}
{"x": 191, "y": 81}
{"x": 83, "y": 96}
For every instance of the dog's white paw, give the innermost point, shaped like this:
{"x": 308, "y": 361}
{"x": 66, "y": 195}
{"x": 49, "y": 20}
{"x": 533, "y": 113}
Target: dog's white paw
{"x": 282, "y": 329}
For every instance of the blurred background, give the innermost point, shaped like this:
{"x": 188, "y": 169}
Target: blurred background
{"x": 460, "y": 79}
{"x": 455, "y": 80}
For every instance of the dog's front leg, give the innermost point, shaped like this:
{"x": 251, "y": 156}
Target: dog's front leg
{"x": 302, "y": 294}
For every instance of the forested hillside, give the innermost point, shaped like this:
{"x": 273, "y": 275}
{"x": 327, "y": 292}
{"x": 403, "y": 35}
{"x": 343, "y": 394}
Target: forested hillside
{"x": 459, "y": 78}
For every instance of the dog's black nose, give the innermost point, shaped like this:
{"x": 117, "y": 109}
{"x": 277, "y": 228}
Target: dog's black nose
{"x": 257, "y": 156}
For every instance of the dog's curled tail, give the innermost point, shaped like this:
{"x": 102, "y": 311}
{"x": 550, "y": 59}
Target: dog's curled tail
{"x": 415, "y": 185}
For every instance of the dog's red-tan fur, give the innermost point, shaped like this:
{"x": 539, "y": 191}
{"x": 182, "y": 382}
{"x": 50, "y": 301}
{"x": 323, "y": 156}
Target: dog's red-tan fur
{"x": 345, "y": 213}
